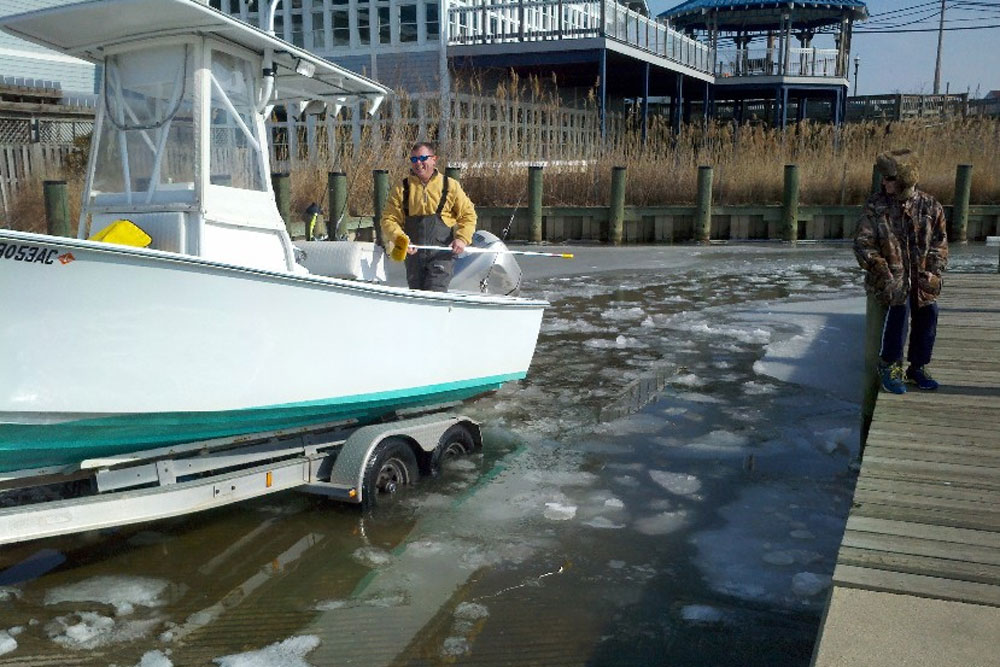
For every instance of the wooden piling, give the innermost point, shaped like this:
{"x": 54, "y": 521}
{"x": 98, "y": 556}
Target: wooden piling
{"x": 874, "y": 321}
{"x": 876, "y": 179}
{"x": 381, "y": 193}
{"x": 281, "y": 183}
{"x": 336, "y": 189}
{"x": 960, "y": 211}
{"x": 535, "y": 202}
{"x": 56, "y": 198}
{"x": 790, "y": 204}
{"x": 616, "y": 212}
{"x": 703, "y": 214}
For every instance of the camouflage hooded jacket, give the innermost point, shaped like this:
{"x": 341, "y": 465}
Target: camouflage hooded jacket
{"x": 903, "y": 247}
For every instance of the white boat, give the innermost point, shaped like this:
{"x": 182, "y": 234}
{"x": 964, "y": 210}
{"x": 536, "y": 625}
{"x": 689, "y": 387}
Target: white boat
{"x": 213, "y": 330}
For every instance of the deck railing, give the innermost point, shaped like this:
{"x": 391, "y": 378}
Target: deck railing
{"x": 809, "y": 62}
{"x": 472, "y": 22}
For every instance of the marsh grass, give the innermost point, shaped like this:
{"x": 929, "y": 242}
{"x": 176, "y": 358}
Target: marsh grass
{"x": 517, "y": 122}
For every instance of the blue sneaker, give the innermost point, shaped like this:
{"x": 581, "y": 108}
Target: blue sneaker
{"x": 892, "y": 377}
{"x": 920, "y": 376}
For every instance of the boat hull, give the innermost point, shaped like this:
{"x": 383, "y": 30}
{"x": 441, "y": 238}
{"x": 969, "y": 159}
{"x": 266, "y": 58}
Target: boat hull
{"x": 110, "y": 349}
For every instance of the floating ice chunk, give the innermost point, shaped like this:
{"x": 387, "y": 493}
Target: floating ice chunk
{"x": 385, "y": 601}
{"x": 455, "y": 646}
{"x": 7, "y": 643}
{"x": 470, "y": 611}
{"x": 627, "y": 480}
{"x": 614, "y": 503}
{"x": 807, "y": 584}
{"x": 559, "y": 512}
{"x": 677, "y": 483}
{"x": 720, "y": 439}
{"x": 603, "y": 523}
{"x": 562, "y": 477}
{"x": 15, "y": 631}
{"x": 289, "y": 653}
{"x": 662, "y": 523}
{"x": 155, "y": 659}
{"x": 752, "y": 388}
{"x": 778, "y": 557}
{"x": 836, "y": 439}
{"x": 616, "y": 564}
{"x": 8, "y": 593}
{"x": 88, "y": 629}
{"x": 423, "y": 548}
{"x": 702, "y": 613}
{"x": 687, "y": 380}
{"x": 123, "y": 593}
{"x": 372, "y": 557}
{"x": 623, "y": 314}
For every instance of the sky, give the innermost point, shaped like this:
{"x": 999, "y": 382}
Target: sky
{"x": 904, "y": 62}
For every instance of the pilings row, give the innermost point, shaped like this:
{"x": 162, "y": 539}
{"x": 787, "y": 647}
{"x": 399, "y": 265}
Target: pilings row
{"x": 58, "y": 223}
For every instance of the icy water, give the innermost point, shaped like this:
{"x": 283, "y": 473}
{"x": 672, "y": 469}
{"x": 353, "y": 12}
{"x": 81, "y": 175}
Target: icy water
{"x": 701, "y": 529}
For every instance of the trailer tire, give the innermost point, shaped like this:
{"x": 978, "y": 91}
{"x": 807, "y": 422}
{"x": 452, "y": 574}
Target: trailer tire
{"x": 391, "y": 465}
{"x": 455, "y": 443}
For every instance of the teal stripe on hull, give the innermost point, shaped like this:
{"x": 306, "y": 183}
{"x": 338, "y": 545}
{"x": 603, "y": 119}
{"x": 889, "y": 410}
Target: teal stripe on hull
{"x": 33, "y": 446}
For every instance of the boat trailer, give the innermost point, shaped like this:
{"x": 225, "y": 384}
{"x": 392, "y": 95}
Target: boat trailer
{"x": 341, "y": 460}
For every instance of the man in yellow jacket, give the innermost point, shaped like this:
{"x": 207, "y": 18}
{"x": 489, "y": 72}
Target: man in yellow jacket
{"x": 428, "y": 208}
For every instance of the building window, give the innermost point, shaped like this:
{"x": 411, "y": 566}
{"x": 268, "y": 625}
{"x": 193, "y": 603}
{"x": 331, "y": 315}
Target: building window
{"x": 318, "y": 32}
{"x": 217, "y": 4}
{"x": 433, "y": 21}
{"x": 384, "y": 23}
{"x": 340, "y": 22}
{"x": 408, "y": 23}
{"x": 364, "y": 23}
{"x": 298, "y": 37}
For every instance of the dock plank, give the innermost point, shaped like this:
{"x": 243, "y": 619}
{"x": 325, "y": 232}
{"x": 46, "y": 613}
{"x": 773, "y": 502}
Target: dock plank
{"x": 925, "y": 521}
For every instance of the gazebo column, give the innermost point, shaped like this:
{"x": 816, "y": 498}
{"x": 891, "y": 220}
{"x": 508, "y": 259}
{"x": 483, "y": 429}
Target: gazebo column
{"x": 602, "y": 97}
{"x": 706, "y": 108}
{"x": 645, "y": 100}
{"x": 675, "y": 103}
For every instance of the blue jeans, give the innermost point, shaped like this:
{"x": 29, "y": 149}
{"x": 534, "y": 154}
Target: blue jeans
{"x": 923, "y": 324}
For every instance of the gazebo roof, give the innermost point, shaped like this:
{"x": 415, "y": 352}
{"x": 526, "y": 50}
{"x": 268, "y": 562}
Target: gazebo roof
{"x": 762, "y": 14}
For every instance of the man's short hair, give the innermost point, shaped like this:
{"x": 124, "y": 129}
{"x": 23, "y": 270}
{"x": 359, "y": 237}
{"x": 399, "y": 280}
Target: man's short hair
{"x": 429, "y": 145}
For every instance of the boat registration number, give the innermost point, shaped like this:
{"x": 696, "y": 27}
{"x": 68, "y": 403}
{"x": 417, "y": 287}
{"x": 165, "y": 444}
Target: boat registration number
{"x": 27, "y": 253}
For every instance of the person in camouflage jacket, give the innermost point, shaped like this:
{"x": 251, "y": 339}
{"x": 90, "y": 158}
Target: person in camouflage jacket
{"x": 902, "y": 244}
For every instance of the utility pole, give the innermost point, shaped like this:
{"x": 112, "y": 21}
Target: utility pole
{"x": 937, "y": 66}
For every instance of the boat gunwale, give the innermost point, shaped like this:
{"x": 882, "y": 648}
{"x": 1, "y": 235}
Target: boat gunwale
{"x": 390, "y": 291}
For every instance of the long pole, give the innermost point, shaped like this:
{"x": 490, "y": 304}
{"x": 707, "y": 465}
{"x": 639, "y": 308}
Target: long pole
{"x": 937, "y": 66}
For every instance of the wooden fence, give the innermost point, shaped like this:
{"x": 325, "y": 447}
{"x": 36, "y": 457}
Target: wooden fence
{"x": 23, "y": 164}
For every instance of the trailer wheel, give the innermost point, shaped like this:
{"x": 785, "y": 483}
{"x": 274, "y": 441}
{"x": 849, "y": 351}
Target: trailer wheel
{"x": 392, "y": 465}
{"x": 455, "y": 443}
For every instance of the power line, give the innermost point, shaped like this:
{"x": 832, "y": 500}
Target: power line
{"x": 888, "y": 31}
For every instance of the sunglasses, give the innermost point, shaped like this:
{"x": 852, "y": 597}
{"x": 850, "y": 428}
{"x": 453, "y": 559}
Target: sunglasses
{"x": 420, "y": 158}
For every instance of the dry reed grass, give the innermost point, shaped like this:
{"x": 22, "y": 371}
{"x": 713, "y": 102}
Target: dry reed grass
{"x": 834, "y": 162}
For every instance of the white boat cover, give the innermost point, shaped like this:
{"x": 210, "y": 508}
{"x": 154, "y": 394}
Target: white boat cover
{"x": 84, "y": 29}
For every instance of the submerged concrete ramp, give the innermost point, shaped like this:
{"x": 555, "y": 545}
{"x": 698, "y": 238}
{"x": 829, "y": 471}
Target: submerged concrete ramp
{"x": 917, "y": 580}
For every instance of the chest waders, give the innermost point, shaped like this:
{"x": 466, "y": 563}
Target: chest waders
{"x": 428, "y": 269}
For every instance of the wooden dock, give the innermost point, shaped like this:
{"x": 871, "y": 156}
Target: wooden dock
{"x": 917, "y": 580}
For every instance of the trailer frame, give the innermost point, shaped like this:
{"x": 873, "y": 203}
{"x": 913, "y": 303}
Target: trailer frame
{"x": 329, "y": 459}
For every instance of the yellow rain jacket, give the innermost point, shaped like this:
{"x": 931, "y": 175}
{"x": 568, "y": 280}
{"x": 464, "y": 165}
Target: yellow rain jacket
{"x": 458, "y": 212}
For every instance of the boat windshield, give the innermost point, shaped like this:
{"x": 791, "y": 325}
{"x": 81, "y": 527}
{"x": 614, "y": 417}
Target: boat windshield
{"x": 147, "y": 148}
{"x": 235, "y": 151}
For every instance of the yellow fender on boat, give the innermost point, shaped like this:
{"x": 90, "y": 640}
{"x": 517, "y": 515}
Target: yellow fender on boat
{"x": 123, "y": 232}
